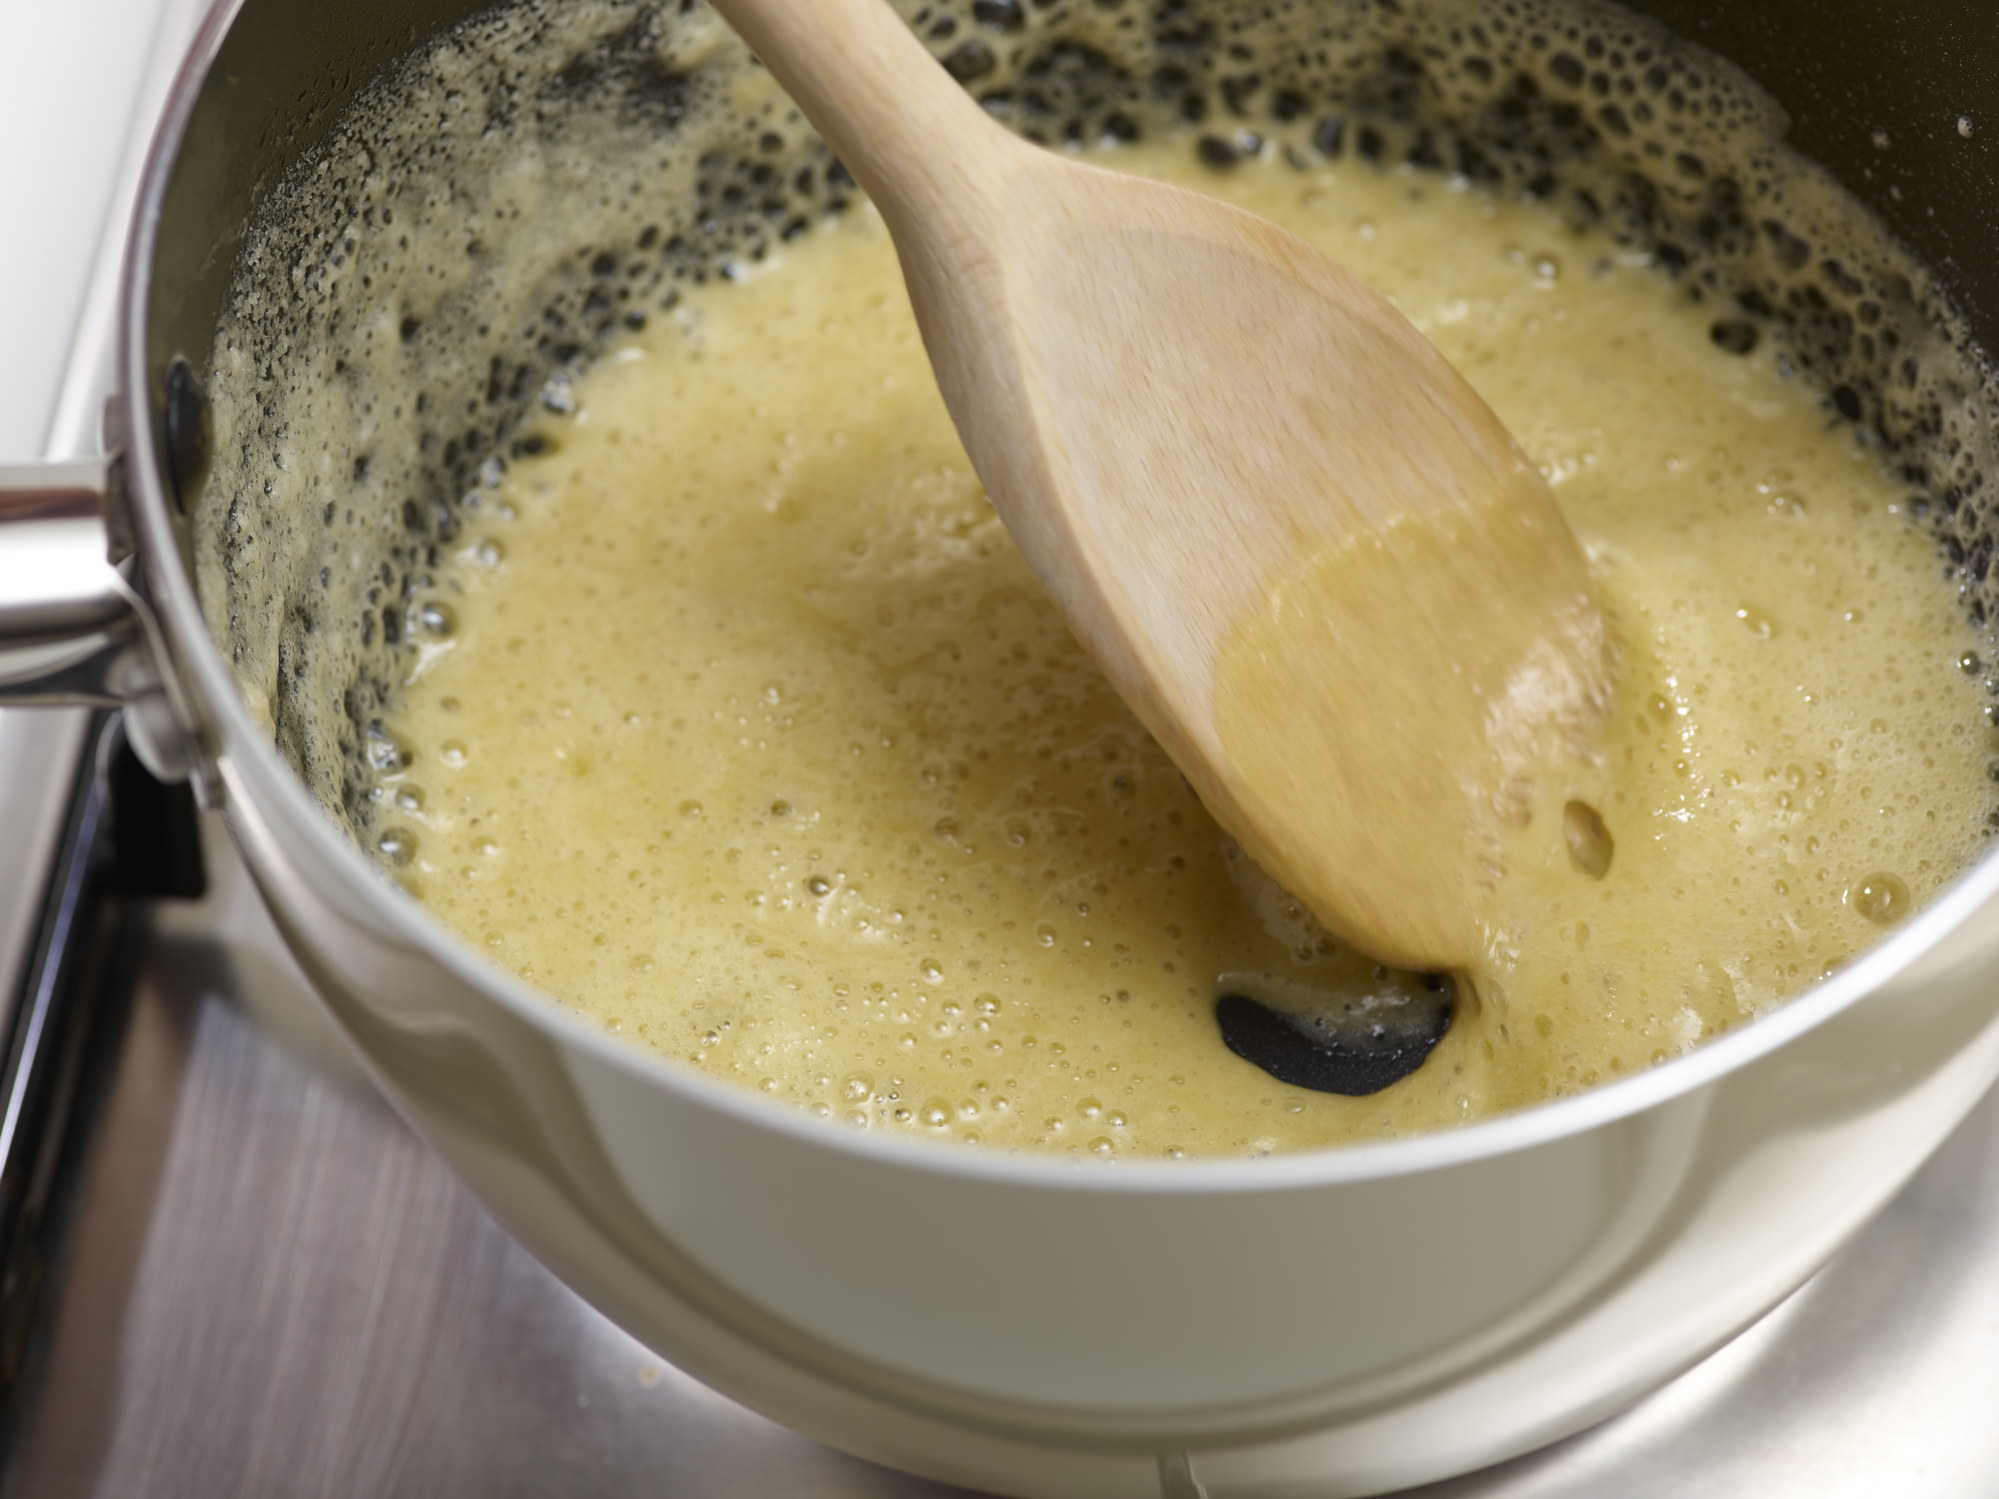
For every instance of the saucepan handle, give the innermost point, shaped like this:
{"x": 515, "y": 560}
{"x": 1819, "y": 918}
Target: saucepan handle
{"x": 73, "y": 629}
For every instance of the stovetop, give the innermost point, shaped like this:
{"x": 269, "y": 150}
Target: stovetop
{"x": 260, "y": 1283}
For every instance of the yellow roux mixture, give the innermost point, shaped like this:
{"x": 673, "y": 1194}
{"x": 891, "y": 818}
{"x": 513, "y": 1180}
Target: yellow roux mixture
{"x": 757, "y": 741}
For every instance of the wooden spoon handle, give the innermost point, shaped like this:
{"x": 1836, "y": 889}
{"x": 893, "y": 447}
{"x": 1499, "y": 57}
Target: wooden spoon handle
{"x": 913, "y": 138}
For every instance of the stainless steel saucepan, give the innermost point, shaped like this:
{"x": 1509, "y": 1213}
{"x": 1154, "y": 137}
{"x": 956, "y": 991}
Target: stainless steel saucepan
{"x": 1330, "y": 1323}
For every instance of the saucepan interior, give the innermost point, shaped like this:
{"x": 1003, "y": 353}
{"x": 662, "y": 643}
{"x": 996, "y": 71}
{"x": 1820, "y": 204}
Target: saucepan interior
{"x": 430, "y": 225}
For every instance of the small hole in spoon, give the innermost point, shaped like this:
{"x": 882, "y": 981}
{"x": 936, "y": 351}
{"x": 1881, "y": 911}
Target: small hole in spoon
{"x": 1589, "y": 841}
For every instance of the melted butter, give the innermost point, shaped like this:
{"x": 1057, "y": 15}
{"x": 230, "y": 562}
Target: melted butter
{"x": 756, "y": 741}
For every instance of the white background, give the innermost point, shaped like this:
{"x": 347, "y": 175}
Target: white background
{"x": 74, "y": 75}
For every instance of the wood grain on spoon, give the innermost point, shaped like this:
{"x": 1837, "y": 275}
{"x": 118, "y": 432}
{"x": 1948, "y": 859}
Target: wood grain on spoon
{"x": 1299, "y": 544}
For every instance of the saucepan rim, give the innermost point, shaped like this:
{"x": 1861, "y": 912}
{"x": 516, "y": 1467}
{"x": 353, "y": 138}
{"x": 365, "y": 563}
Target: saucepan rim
{"x": 200, "y": 661}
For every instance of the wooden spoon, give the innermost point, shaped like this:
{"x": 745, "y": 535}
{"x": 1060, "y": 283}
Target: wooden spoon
{"x": 1305, "y": 552}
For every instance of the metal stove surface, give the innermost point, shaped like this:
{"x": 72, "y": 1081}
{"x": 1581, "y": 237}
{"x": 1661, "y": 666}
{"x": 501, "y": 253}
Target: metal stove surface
{"x": 270, "y": 1287}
